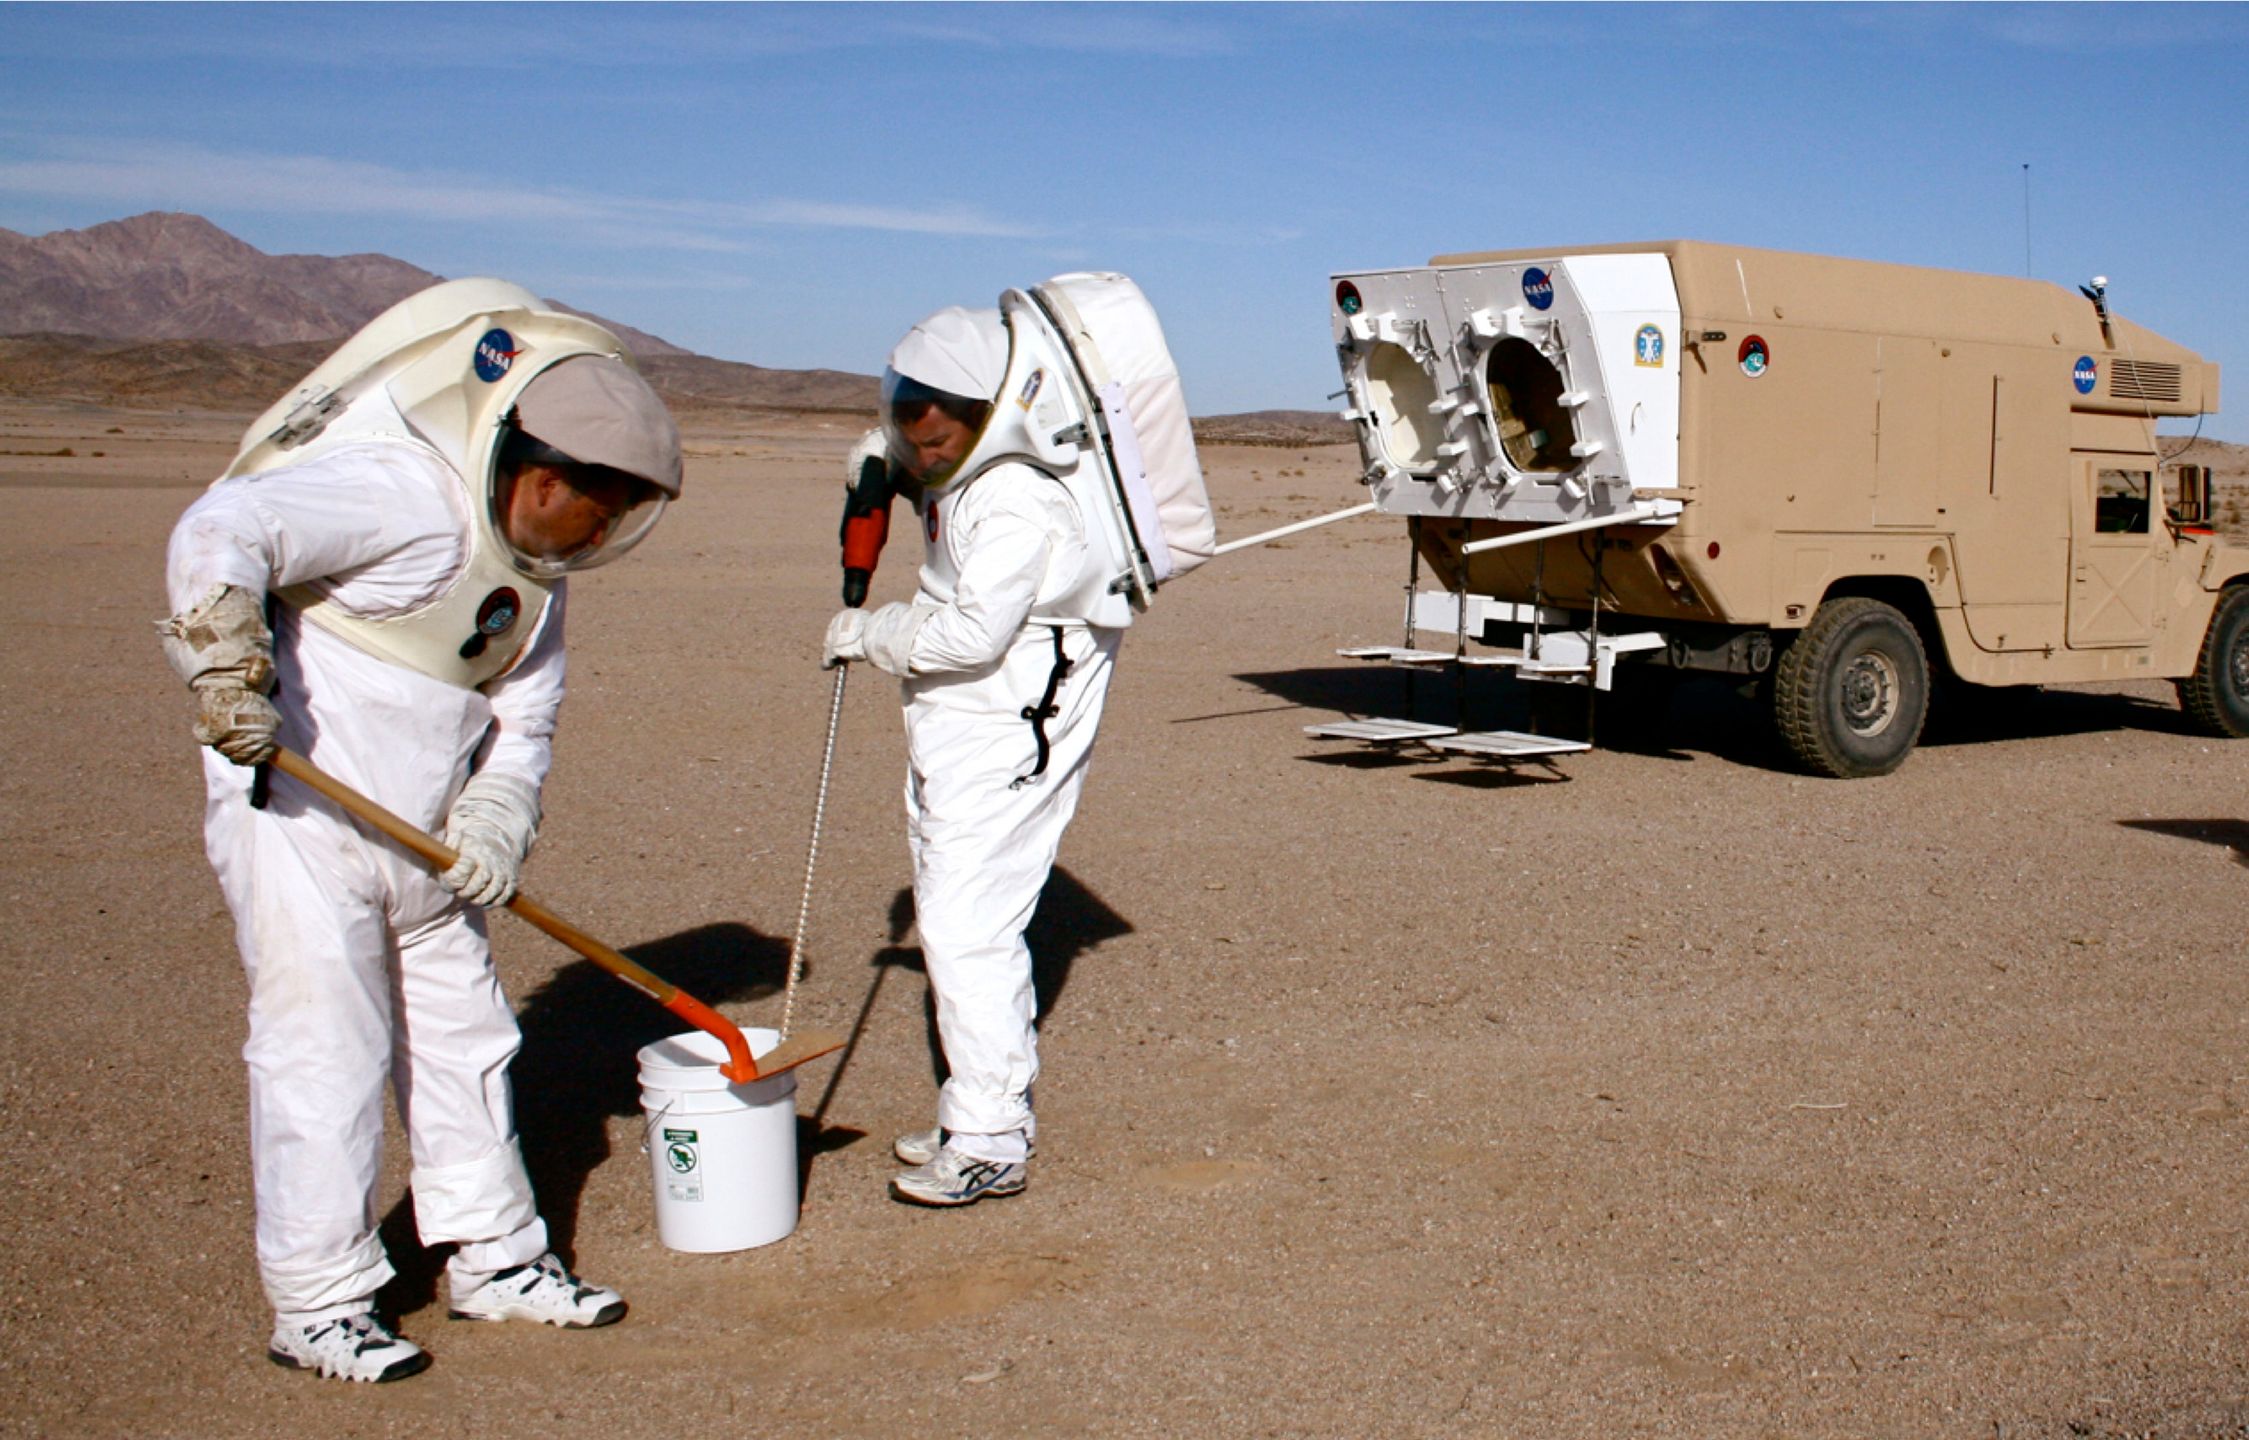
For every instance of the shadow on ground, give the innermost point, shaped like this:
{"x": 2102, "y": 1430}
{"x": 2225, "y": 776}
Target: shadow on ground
{"x": 2233, "y": 834}
{"x": 1974, "y": 714}
{"x": 1668, "y": 715}
{"x": 1663, "y": 716}
{"x": 582, "y": 1032}
{"x": 1069, "y": 921}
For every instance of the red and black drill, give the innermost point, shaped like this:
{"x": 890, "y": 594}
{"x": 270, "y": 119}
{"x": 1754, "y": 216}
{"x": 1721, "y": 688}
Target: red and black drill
{"x": 866, "y": 525}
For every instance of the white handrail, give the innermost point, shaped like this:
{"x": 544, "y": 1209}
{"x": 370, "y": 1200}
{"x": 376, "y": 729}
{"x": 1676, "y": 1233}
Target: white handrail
{"x": 1232, "y": 545}
{"x": 1630, "y": 516}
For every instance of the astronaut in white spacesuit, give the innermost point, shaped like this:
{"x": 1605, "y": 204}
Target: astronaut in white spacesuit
{"x": 1004, "y": 680}
{"x": 387, "y": 600}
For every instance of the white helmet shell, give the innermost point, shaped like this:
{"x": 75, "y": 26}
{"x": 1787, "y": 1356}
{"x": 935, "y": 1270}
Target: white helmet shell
{"x": 442, "y": 369}
{"x": 959, "y": 351}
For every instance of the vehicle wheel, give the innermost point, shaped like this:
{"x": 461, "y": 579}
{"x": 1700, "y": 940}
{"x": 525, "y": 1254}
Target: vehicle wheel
{"x": 2216, "y": 696}
{"x": 1850, "y": 694}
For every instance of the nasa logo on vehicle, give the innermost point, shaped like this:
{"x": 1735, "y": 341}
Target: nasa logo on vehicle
{"x": 1754, "y": 357}
{"x": 2086, "y": 375}
{"x": 1347, "y": 299}
{"x": 1647, "y": 347}
{"x": 495, "y": 353}
{"x": 1538, "y": 288}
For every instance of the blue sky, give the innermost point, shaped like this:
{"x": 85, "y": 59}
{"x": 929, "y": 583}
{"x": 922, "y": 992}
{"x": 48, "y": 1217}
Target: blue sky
{"x": 794, "y": 185}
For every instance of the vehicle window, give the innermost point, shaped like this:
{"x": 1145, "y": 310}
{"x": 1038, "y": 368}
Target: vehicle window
{"x": 2120, "y": 502}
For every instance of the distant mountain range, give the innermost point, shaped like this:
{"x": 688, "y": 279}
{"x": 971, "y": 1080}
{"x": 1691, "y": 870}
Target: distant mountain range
{"x": 169, "y": 308}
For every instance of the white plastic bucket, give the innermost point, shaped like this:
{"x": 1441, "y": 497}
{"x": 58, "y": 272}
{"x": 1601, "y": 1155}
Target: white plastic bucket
{"x": 723, "y": 1156}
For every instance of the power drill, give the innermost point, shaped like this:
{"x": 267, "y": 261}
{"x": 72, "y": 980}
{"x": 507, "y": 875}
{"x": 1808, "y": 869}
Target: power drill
{"x": 866, "y": 525}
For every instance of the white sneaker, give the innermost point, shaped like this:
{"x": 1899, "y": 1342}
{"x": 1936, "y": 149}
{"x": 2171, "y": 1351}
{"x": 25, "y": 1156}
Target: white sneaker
{"x": 355, "y": 1347}
{"x": 921, "y": 1146}
{"x": 541, "y": 1291}
{"x": 956, "y": 1179}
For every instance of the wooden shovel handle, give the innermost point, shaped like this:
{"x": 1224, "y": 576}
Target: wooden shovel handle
{"x": 739, "y": 1066}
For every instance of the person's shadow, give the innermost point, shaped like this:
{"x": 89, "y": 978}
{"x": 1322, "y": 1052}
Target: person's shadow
{"x": 2232, "y": 834}
{"x": 582, "y": 1033}
{"x": 1069, "y": 921}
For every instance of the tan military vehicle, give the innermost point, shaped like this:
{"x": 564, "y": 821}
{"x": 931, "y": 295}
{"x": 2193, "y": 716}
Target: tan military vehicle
{"x": 1850, "y": 480}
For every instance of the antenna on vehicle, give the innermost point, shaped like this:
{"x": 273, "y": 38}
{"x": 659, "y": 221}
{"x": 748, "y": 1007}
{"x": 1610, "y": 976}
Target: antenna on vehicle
{"x": 2097, "y": 292}
{"x": 2026, "y": 219}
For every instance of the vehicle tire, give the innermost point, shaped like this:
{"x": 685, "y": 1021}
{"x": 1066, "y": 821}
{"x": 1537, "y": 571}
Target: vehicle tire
{"x": 1851, "y": 693}
{"x": 2216, "y": 696}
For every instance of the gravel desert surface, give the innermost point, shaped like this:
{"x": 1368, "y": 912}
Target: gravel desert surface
{"x": 1659, "y": 1092}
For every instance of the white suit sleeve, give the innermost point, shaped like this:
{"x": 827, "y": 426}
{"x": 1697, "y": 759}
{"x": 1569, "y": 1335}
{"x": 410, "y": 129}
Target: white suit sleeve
{"x": 330, "y": 519}
{"x": 525, "y": 701}
{"x": 279, "y": 530}
{"x": 1007, "y": 553}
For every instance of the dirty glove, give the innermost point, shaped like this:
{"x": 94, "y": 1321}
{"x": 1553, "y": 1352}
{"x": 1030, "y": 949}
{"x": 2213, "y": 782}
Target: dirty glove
{"x": 490, "y": 827}
{"x": 221, "y": 647}
{"x": 844, "y": 640}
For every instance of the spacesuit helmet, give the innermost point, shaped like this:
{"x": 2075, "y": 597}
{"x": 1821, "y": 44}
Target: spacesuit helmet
{"x": 588, "y": 460}
{"x": 937, "y": 391}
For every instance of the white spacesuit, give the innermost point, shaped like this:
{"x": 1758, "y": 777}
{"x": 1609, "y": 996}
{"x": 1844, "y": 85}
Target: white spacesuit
{"x": 416, "y": 653}
{"x": 1004, "y": 682}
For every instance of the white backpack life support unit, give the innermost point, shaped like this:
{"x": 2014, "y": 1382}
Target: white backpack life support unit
{"x": 1089, "y": 377}
{"x": 440, "y": 370}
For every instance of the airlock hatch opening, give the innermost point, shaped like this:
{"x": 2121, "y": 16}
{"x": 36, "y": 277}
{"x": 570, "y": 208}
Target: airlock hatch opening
{"x": 1402, "y": 396}
{"x": 1535, "y": 430}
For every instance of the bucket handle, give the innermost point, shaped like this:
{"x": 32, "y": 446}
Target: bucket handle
{"x": 650, "y": 1122}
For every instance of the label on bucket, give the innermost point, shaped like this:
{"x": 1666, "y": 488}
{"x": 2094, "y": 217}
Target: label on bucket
{"x": 685, "y": 1182}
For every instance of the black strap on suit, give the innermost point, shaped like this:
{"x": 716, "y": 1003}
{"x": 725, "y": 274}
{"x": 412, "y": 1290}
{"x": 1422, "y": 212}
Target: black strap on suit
{"x": 1044, "y": 711}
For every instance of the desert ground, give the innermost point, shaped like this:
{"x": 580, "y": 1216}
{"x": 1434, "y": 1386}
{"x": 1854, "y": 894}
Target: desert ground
{"x": 1657, "y": 1092}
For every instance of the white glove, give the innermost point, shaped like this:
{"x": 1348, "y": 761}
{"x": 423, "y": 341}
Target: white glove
{"x": 872, "y": 445}
{"x": 221, "y": 647}
{"x": 843, "y": 641}
{"x": 886, "y": 640}
{"x": 490, "y": 827}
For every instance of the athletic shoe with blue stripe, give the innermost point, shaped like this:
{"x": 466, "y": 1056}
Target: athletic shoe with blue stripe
{"x": 956, "y": 1179}
{"x": 919, "y": 1147}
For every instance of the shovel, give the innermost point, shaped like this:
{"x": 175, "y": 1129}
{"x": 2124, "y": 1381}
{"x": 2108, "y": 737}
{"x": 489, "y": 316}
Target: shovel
{"x": 740, "y": 1066}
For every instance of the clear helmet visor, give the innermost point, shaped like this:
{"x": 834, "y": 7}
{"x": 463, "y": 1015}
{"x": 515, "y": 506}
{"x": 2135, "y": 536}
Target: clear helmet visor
{"x": 557, "y": 519}
{"x": 929, "y": 431}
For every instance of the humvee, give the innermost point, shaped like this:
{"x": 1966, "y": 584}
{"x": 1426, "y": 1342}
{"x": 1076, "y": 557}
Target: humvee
{"x": 1843, "y": 481}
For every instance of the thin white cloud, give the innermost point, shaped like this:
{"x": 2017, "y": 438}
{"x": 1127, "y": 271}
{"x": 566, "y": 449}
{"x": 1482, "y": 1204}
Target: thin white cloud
{"x": 166, "y": 175}
{"x": 1135, "y": 30}
{"x": 2109, "y": 30}
{"x": 1215, "y": 232}
{"x": 515, "y": 38}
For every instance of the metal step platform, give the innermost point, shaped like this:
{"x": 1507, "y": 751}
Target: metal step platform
{"x": 1568, "y": 657}
{"x": 1491, "y": 744}
{"x": 1379, "y": 731}
{"x": 1428, "y": 659}
{"x": 1506, "y": 744}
